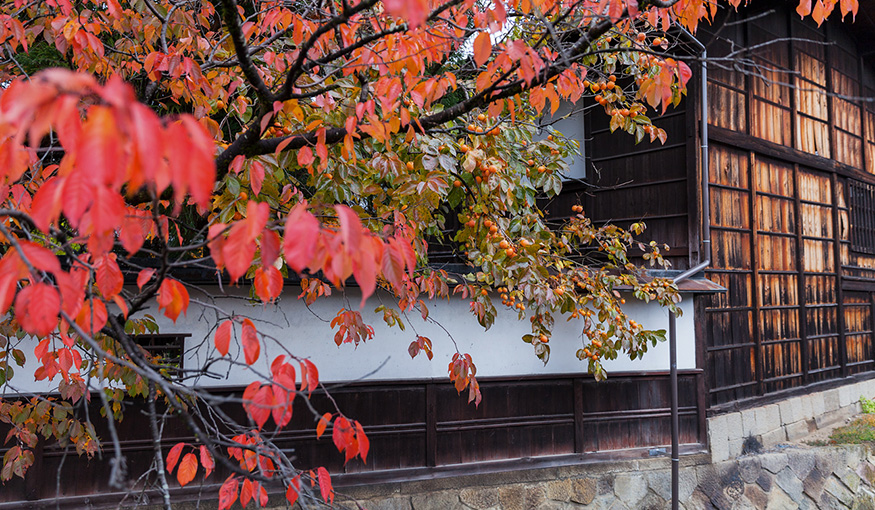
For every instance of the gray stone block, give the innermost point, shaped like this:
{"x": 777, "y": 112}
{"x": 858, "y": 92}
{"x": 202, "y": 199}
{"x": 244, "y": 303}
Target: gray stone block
{"x": 768, "y": 418}
{"x": 813, "y": 484}
{"x": 436, "y": 501}
{"x": 797, "y": 430}
{"x": 790, "y": 483}
{"x": 838, "y": 490}
{"x": 774, "y": 462}
{"x": 630, "y": 488}
{"x": 479, "y": 498}
{"x": 787, "y": 414}
{"x": 733, "y": 426}
{"x": 774, "y": 437}
{"x": 847, "y": 395}
{"x": 387, "y": 504}
{"x": 817, "y": 404}
{"x": 831, "y": 400}
{"x": 749, "y": 423}
{"x": 801, "y": 462}
{"x": 780, "y": 500}
{"x": 717, "y": 430}
{"x": 850, "y": 478}
{"x": 749, "y": 469}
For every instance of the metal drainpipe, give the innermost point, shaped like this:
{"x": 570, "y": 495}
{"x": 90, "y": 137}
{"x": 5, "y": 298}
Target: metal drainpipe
{"x": 706, "y": 249}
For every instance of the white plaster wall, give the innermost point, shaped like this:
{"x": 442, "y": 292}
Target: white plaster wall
{"x": 307, "y": 333}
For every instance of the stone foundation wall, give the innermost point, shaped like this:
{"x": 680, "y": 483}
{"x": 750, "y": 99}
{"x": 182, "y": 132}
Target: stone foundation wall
{"x": 834, "y": 477}
{"x": 732, "y": 434}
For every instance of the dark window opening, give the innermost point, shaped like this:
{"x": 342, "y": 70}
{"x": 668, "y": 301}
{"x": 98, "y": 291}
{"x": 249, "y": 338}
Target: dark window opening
{"x": 168, "y": 348}
{"x": 861, "y": 199}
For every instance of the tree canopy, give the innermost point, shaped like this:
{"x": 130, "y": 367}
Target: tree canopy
{"x": 330, "y": 140}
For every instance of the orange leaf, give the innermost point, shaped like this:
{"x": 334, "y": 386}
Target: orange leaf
{"x": 173, "y": 456}
{"x": 207, "y": 461}
{"x": 92, "y": 321}
{"x": 173, "y": 298}
{"x": 482, "y": 48}
{"x": 37, "y": 307}
{"x": 268, "y": 283}
{"x": 324, "y": 420}
{"x": 223, "y": 337}
{"x": 251, "y": 346}
{"x": 187, "y": 469}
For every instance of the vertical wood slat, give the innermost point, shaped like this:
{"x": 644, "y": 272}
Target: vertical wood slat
{"x": 837, "y": 264}
{"x": 579, "y": 440}
{"x": 872, "y": 321}
{"x": 755, "y": 275}
{"x": 800, "y": 278}
{"x": 430, "y": 425}
{"x": 700, "y": 343}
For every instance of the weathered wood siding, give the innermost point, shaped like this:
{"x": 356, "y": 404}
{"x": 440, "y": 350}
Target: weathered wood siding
{"x": 782, "y": 153}
{"x": 414, "y": 427}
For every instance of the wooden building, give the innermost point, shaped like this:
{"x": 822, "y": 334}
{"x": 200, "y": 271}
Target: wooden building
{"x": 791, "y": 180}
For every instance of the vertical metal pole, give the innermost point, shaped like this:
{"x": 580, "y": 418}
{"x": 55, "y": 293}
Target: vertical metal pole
{"x": 675, "y": 423}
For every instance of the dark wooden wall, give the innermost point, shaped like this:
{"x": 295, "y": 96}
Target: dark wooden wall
{"x": 782, "y": 152}
{"x": 424, "y": 424}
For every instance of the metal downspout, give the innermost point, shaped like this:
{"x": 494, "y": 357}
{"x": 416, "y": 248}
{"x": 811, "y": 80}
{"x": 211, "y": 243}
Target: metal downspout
{"x": 706, "y": 249}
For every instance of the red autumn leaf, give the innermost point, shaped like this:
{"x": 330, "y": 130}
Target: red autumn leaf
{"x": 246, "y": 493}
{"x": 7, "y": 291}
{"x": 325, "y": 485}
{"x": 92, "y": 321}
{"x": 482, "y": 48}
{"x": 173, "y": 456}
{"x": 37, "y": 307}
{"x": 40, "y": 258}
{"x": 132, "y": 233}
{"x": 301, "y": 235}
{"x": 238, "y": 251}
{"x": 270, "y": 247}
{"x": 251, "y": 346}
{"x": 309, "y": 376}
{"x": 262, "y": 494}
{"x": 268, "y": 283}
{"x": 281, "y": 406}
{"x": 260, "y": 406}
{"x": 109, "y": 276}
{"x": 364, "y": 442}
{"x": 187, "y": 469}
{"x": 228, "y": 493}
{"x": 256, "y": 177}
{"x": 47, "y": 203}
{"x": 144, "y": 276}
{"x": 293, "y": 490}
{"x": 173, "y": 298}
{"x": 223, "y": 337}
{"x": 207, "y": 461}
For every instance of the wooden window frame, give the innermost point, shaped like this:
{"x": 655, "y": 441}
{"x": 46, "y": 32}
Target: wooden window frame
{"x": 861, "y": 202}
